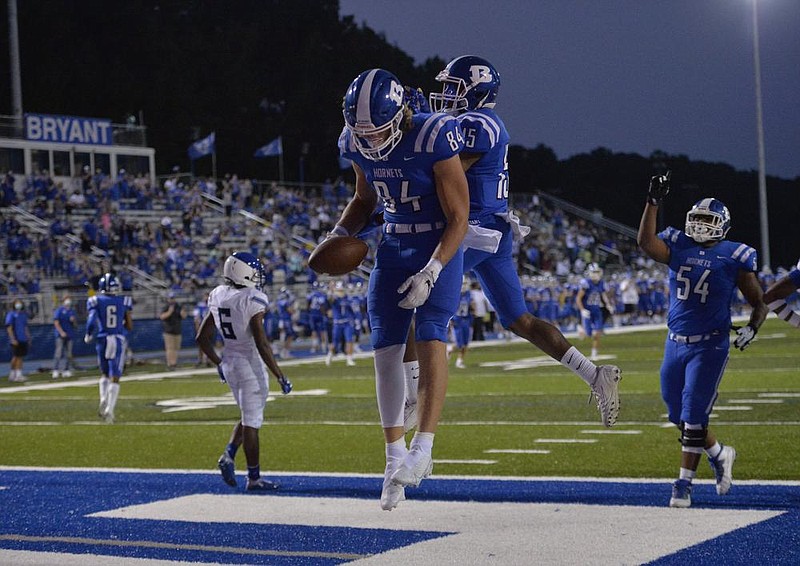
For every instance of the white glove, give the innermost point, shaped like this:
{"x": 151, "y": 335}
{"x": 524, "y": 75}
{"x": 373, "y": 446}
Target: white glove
{"x": 586, "y": 313}
{"x": 419, "y": 285}
{"x": 87, "y": 339}
{"x": 744, "y": 336}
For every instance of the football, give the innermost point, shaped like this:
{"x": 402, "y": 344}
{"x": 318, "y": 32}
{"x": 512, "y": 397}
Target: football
{"x": 338, "y": 255}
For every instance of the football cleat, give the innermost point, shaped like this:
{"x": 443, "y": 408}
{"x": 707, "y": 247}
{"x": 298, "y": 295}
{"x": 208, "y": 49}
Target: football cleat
{"x": 409, "y": 416}
{"x": 101, "y": 408}
{"x": 108, "y": 416}
{"x": 56, "y": 374}
{"x": 261, "y": 485}
{"x": 66, "y": 373}
{"x": 681, "y": 494}
{"x": 410, "y": 475}
{"x": 605, "y": 390}
{"x": 227, "y": 469}
{"x": 391, "y": 494}
{"x": 460, "y": 364}
{"x": 722, "y": 466}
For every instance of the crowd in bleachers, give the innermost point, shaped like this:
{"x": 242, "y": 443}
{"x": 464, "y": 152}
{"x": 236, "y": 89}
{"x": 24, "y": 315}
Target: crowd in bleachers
{"x": 170, "y": 232}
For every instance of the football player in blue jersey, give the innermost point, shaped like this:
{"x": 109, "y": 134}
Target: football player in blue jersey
{"x": 469, "y": 92}
{"x": 109, "y": 319}
{"x": 410, "y": 161}
{"x": 317, "y": 305}
{"x": 591, "y": 299}
{"x": 705, "y": 270}
{"x": 344, "y": 320}
{"x": 462, "y": 323}
{"x": 775, "y": 296}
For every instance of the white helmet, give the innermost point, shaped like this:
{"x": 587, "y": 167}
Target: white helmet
{"x": 244, "y": 269}
{"x": 594, "y": 272}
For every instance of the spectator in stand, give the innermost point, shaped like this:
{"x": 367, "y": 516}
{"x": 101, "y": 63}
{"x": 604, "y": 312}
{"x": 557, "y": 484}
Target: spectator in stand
{"x": 480, "y": 306}
{"x": 64, "y": 322}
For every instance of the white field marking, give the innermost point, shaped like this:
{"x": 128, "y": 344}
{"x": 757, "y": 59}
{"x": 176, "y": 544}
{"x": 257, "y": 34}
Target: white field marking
{"x": 196, "y": 403}
{"x": 658, "y": 424}
{"x": 514, "y": 451}
{"x": 565, "y": 441}
{"x": 732, "y": 408}
{"x": 63, "y": 559}
{"x": 500, "y": 533}
{"x": 215, "y": 472}
{"x": 779, "y": 394}
{"x": 772, "y": 336}
{"x": 478, "y": 462}
{"x": 530, "y": 363}
{"x": 607, "y": 431}
{"x": 757, "y": 401}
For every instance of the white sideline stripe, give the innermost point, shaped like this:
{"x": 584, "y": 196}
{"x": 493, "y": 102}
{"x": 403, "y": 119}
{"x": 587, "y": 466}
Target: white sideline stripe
{"x": 565, "y": 440}
{"x": 659, "y": 424}
{"x": 604, "y": 431}
{"x": 779, "y": 394}
{"x": 553, "y": 533}
{"x": 733, "y": 408}
{"x": 215, "y": 472}
{"x": 514, "y": 451}
{"x": 452, "y": 461}
{"x": 757, "y": 401}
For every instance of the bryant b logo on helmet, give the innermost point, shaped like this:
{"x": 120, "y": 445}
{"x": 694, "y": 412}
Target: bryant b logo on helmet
{"x": 480, "y": 74}
{"x": 396, "y": 93}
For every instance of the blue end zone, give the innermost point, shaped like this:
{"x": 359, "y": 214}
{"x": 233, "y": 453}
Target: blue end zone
{"x": 47, "y": 511}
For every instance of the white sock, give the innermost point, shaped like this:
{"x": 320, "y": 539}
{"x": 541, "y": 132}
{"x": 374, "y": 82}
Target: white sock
{"x": 390, "y": 385}
{"x": 397, "y": 449}
{"x": 579, "y": 364}
{"x": 714, "y": 451}
{"x": 113, "y": 393}
{"x": 411, "y": 372}
{"x": 423, "y": 443}
{"x": 686, "y": 474}
{"x": 594, "y": 353}
{"x": 104, "y": 383}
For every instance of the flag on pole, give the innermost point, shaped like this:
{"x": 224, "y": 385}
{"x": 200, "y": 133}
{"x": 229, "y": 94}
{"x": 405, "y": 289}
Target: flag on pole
{"x": 275, "y": 147}
{"x": 205, "y": 146}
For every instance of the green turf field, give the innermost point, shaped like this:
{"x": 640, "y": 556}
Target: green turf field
{"x": 506, "y": 414}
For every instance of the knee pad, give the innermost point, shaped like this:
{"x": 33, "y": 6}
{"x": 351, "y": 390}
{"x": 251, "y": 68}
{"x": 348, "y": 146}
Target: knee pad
{"x": 693, "y": 439}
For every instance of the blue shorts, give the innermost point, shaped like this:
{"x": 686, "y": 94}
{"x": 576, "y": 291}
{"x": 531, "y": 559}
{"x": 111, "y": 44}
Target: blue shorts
{"x": 595, "y": 322}
{"x": 317, "y": 323}
{"x": 462, "y": 327}
{"x": 497, "y": 274}
{"x": 343, "y": 332}
{"x": 398, "y": 258}
{"x": 690, "y": 376}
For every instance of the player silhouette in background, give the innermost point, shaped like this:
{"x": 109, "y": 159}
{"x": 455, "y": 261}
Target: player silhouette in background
{"x": 109, "y": 320}
{"x": 775, "y": 297}
{"x": 705, "y": 270}
{"x": 237, "y": 309}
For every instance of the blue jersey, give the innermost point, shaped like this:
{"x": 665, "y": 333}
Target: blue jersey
{"x": 107, "y": 314}
{"x": 18, "y": 321}
{"x": 702, "y": 282}
{"x": 485, "y": 133}
{"x": 404, "y": 180}
{"x": 593, "y": 293}
{"x": 794, "y": 275}
{"x": 317, "y": 304}
{"x": 65, "y": 317}
{"x": 465, "y": 305}
{"x": 342, "y": 309}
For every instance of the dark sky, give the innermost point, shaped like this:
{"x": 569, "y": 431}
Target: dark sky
{"x": 629, "y": 75}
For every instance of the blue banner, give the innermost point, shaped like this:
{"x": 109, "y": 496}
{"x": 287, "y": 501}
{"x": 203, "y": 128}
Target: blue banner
{"x": 205, "y": 146}
{"x": 67, "y": 129}
{"x": 275, "y": 147}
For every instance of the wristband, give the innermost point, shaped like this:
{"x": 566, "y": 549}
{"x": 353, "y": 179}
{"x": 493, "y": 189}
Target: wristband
{"x": 339, "y": 230}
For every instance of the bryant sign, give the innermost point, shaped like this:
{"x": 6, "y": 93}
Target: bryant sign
{"x": 67, "y": 129}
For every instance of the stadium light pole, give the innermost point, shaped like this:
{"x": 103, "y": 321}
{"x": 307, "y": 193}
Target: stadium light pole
{"x": 762, "y": 174}
{"x": 13, "y": 51}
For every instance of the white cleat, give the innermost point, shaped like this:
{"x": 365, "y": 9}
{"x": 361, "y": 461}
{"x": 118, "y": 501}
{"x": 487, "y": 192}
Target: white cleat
{"x": 605, "y": 390}
{"x": 722, "y": 466}
{"x": 391, "y": 494}
{"x": 410, "y": 475}
{"x": 67, "y": 373}
{"x": 56, "y": 374}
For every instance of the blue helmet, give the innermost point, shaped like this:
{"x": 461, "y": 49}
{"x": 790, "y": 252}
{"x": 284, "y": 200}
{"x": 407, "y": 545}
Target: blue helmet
{"x": 244, "y": 269}
{"x": 707, "y": 221}
{"x": 373, "y": 112}
{"x": 470, "y": 83}
{"x": 109, "y": 284}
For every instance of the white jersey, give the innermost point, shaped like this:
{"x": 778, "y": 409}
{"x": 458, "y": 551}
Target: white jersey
{"x": 232, "y": 310}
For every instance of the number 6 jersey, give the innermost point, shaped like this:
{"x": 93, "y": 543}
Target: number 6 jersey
{"x": 232, "y": 309}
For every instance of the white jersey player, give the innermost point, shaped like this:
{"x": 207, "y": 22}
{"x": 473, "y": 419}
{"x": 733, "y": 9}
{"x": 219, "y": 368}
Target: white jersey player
{"x": 237, "y": 309}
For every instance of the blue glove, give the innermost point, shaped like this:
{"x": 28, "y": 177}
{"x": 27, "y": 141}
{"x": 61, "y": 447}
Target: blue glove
{"x": 286, "y": 385}
{"x": 221, "y": 375}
